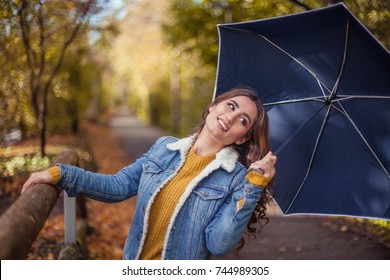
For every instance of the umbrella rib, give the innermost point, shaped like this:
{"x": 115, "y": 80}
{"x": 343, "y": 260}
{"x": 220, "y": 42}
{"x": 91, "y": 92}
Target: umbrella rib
{"x": 312, "y": 158}
{"x": 344, "y": 112}
{"x": 336, "y": 85}
{"x": 322, "y": 89}
{"x": 318, "y": 98}
{"x": 299, "y": 62}
{"x": 346, "y": 97}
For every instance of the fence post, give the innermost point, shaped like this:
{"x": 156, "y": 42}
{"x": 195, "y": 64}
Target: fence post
{"x": 74, "y": 246}
{"x": 24, "y": 219}
{"x": 69, "y": 219}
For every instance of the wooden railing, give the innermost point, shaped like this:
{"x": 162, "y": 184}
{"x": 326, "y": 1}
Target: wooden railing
{"x": 24, "y": 219}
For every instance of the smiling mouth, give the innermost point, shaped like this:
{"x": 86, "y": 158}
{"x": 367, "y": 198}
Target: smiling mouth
{"x": 223, "y": 125}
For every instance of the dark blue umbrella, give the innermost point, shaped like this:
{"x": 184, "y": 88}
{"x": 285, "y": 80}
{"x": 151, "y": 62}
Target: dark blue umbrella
{"x": 325, "y": 82}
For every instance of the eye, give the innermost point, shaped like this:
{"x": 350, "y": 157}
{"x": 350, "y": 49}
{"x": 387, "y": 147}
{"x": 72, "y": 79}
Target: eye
{"x": 244, "y": 121}
{"x": 232, "y": 106}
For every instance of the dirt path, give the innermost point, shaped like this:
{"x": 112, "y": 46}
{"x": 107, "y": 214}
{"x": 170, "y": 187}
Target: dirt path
{"x": 312, "y": 238}
{"x": 300, "y": 238}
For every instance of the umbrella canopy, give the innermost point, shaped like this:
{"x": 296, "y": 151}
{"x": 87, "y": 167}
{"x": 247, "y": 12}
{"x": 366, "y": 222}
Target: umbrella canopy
{"x": 325, "y": 82}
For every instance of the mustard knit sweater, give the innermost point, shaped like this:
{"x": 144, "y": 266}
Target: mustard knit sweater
{"x": 166, "y": 200}
{"x": 165, "y": 203}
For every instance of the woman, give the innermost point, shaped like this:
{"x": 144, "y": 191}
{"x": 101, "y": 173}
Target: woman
{"x": 196, "y": 195}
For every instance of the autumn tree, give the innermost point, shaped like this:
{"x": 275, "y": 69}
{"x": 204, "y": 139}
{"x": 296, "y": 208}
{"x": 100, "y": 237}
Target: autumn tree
{"x": 193, "y": 23}
{"x": 47, "y": 28}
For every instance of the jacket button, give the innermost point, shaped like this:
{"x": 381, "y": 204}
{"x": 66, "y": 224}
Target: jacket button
{"x": 206, "y": 194}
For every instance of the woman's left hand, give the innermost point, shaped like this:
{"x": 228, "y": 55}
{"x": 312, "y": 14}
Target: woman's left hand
{"x": 266, "y": 165}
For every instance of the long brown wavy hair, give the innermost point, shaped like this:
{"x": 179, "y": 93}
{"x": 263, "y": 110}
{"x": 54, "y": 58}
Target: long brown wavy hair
{"x": 252, "y": 150}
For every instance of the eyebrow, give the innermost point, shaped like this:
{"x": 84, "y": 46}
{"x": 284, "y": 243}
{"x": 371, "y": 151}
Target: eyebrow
{"x": 238, "y": 106}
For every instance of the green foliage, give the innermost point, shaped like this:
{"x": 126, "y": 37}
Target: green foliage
{"x": 193, "y": 24}
{"x": 13, "y": 108}
{"x": 382, "y": 223}
{"x": 160, "y": 106}
{"x": 382, "y": 227}
{"x": 375, "y": 15}
{"x": 22, "y": 164}
{"x": 76, "y": 85}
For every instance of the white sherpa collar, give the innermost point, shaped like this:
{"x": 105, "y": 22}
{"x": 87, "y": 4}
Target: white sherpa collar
{"x": 226, "y": 158}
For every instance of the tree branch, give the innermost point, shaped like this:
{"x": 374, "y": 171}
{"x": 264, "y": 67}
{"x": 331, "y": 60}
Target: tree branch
{"x": 42, "y": 42}
{"x": 67, "y": 42}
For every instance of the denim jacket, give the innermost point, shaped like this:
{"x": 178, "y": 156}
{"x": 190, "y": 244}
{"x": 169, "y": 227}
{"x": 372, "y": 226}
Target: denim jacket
{"x": 211, "y": 215}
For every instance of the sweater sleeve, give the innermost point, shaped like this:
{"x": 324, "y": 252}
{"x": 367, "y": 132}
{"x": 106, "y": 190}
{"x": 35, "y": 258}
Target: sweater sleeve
{"x": 257, "y": 179}
{"x": 55, "y": 173}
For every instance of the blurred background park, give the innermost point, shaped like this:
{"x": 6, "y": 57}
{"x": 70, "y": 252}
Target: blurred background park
{"x": 67, "y": 65}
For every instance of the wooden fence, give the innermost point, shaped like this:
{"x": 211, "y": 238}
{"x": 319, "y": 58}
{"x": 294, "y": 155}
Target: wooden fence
{"x": 24, "y": 219}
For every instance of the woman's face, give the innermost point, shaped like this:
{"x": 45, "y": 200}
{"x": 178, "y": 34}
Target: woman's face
{"x": 230, "y": 120}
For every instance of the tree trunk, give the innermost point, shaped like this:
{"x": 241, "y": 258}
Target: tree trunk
{"x": 44, "y": 117}
{"x": 42, "y": 126}
{"x": 175, "y": 91}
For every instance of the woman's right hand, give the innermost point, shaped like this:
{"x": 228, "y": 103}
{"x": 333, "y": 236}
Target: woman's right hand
{"x": 41, "y": 177}
{"x": 266, "y": 165}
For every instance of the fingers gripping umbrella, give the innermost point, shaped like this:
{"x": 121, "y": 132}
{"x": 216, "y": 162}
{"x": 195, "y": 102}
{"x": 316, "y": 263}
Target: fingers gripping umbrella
{"x": 325, "y": 82}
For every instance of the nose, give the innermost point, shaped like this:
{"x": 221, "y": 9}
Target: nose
{"x": 230, "y": 117}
